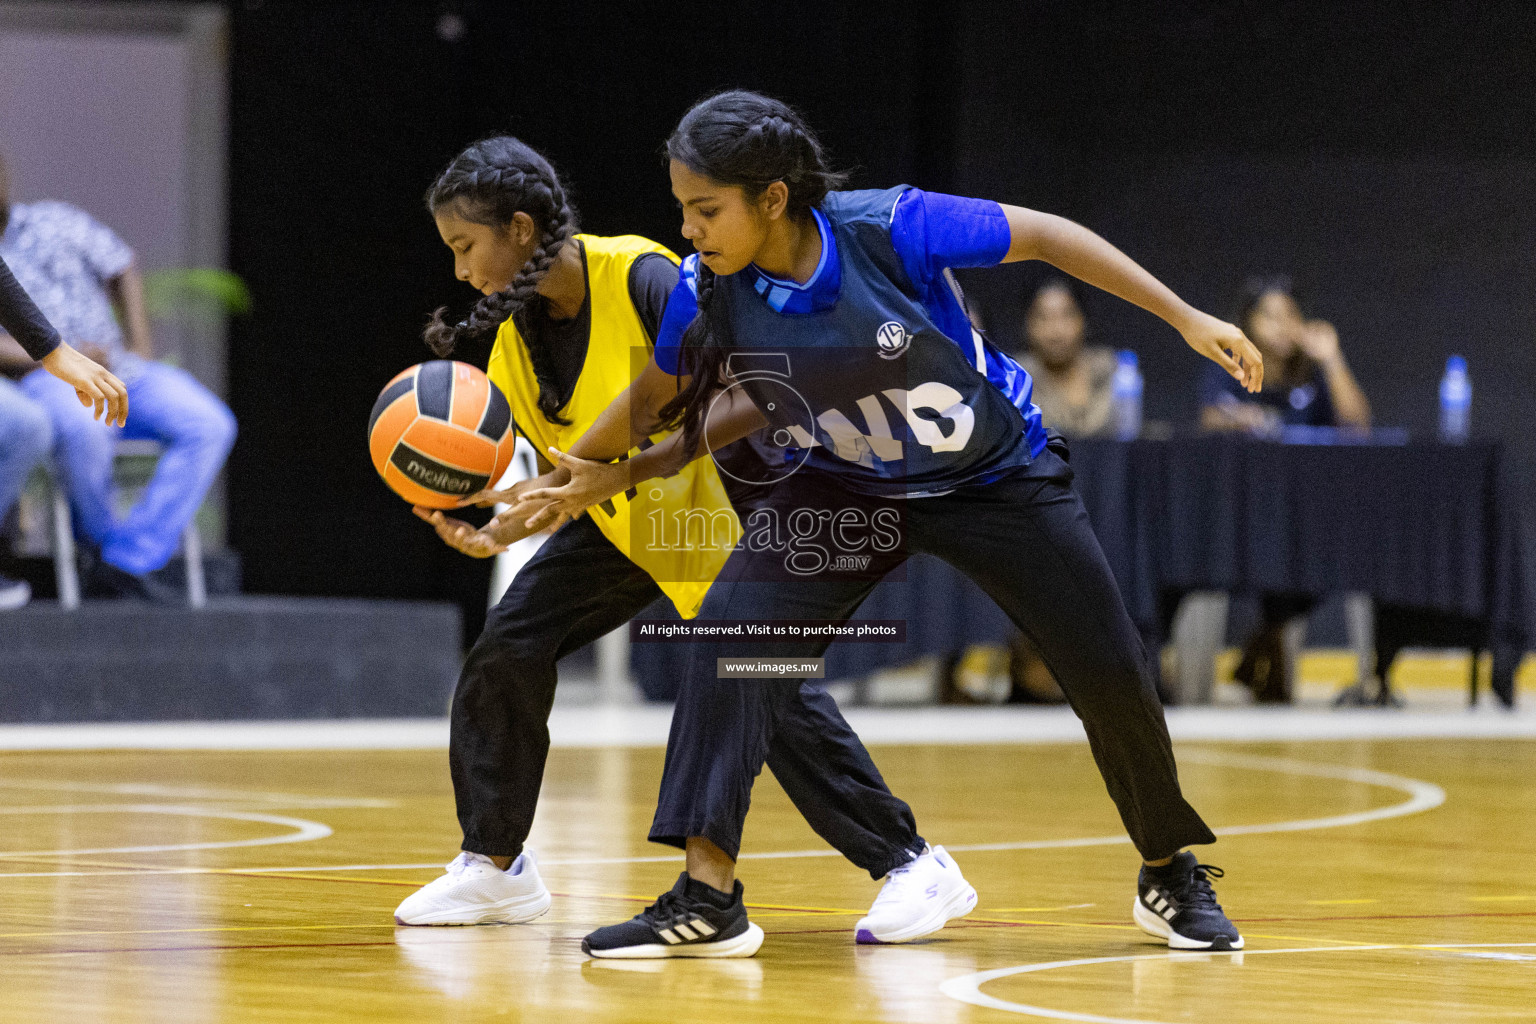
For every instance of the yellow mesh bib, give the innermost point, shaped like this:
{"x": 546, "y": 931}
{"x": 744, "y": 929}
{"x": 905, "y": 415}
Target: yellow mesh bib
{"x": 680, "y": 529}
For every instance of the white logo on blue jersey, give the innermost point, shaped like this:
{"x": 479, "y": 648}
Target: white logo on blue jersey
{"x": 893, "y": 339}
{"x": 878, "y": 444}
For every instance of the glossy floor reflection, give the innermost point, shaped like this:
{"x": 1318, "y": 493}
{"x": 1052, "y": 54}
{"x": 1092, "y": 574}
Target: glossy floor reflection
{"x": 1383, "y": 880}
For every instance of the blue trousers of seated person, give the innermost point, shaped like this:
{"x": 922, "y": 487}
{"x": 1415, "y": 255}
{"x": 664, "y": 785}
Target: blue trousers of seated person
{"x": 25, "y": 438}
{"x": 165, "y": 404}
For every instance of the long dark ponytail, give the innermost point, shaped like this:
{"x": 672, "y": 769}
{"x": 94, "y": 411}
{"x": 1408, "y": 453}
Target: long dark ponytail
{"x": 488, "y": 183}
{"x": 749, "y": 141}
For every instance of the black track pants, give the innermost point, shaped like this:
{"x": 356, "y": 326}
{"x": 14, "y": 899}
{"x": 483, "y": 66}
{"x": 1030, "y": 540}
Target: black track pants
{"x": 1026, "y": 540}
{"x": 577, "y": 588}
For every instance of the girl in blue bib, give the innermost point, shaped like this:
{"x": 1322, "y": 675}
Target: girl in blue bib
{"x": 897, "y": 429}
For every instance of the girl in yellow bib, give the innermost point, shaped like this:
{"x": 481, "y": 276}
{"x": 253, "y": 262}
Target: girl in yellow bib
{"x": 574, "y": 318}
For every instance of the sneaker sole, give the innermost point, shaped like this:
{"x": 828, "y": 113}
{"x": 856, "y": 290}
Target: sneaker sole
{"x": 958, "y": 905}
{"x": 1152, "y": 924}
{"x": 744, "y": 945}
{"x": 519, "y": 910}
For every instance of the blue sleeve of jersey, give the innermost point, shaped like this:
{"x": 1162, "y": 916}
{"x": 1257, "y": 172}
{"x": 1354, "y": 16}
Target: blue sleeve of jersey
{"x": 931, "y": 231}
{"x": 682, "y": 307}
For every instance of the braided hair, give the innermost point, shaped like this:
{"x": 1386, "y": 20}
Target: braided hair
{"x": 749, "y": 141}
{"x": 489, "y": 183}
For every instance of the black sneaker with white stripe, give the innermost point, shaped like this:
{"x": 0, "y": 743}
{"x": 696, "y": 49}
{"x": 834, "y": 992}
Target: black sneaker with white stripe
{"x": 692, "y": 919}
{"x": 1177, "y": 903}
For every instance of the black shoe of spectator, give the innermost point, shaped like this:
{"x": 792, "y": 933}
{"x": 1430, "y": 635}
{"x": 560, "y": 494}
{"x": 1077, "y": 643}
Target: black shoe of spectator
{"x": 1264, "y": 668}
{"x": 106, "y": 580}
{"x": 14, "y": 594}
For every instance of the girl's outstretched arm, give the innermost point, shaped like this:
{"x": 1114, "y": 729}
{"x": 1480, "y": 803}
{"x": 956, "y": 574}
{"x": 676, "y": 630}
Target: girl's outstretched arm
{"x": 1077, "y": 251}
{"x": 590, "y": 481}
{"x": 629, "y": 419}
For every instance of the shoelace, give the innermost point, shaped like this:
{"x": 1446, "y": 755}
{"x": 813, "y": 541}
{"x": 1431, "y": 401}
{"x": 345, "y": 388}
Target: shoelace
{"x": 1196, "y": 891}
{"x": 897, "y": 881}
{"x": 666, "y": 910}
{"x": 460, "y": 864}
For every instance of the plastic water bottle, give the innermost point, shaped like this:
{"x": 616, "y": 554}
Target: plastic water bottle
{"x": 1125, "y": 397}
{"x": 1455, "y": 402}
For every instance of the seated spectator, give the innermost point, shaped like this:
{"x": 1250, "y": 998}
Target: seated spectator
{"x": 25, "y": 434}
{"x": 1306, "y": 380}
{"x": 1072, "y": 379}
{"x": 80, "y": 274}
{"x": 1307, "y": 383}
{"x": 25, "y": 438}
{"x": 1072, "y": 388}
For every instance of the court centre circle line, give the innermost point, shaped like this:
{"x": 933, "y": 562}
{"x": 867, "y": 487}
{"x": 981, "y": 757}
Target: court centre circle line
{"x": 1422, "y": 796}
{"x": 967, "y": 987}
{"x": 303, "y": 830}
{"x": 227, "y": 796}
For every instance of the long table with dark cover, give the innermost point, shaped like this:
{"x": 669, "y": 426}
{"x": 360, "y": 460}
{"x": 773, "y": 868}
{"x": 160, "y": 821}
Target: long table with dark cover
{"x": 1423, "y": 527}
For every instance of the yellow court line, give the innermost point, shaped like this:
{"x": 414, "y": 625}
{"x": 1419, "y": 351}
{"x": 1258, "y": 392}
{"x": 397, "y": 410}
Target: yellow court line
{"x": 1133, "y": 928}
{"x": 844, "y": 912}
{"x": 818, "y": 912}
{"x": 392, "y": 926}
{"x": 189, "y": 931}
{"x": 70, "y": 861}
{"x": 1334, "y": 903}
{"x": 311, "y": 878}
{"x": 1498, "y": 899}
{"x": 750, "y": 906}
{"x": 132, "y": 870}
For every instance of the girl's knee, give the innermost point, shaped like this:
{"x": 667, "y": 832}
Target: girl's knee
{"x": 1106, "y": 688}
{"x": 507, "y": 651}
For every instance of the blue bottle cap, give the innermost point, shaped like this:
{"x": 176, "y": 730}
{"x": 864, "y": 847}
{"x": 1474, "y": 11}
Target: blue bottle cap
{"x": 1456, "y": 364}
{"x": 1127, "y": 358}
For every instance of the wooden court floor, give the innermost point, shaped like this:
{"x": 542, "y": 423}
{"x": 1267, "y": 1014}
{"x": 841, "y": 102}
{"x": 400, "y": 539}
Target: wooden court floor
{"x": 1374, "y": 880}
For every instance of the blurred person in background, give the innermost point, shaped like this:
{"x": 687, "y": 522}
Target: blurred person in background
{"x": 84, "y": 279}
{"x": 25, "y": 433}
{"x": 1072, "y": 378}
{"x": 1306, "y": 383}
{"x": 1073, "y": 391}
{"x": 25, "y": 438}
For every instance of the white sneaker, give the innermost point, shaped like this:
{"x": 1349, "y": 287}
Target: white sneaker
{"x": 917, "y": 899}
{"x": 476, "y": 891}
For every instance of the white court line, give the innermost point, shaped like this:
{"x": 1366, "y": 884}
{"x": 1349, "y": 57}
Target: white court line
{"x": 304, "y": 831}
{"x": 151, "y": 789}
{"x": 967, "y": 988}
{"x": 1422, "y": 796}
{"x": 646, "y": 725}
